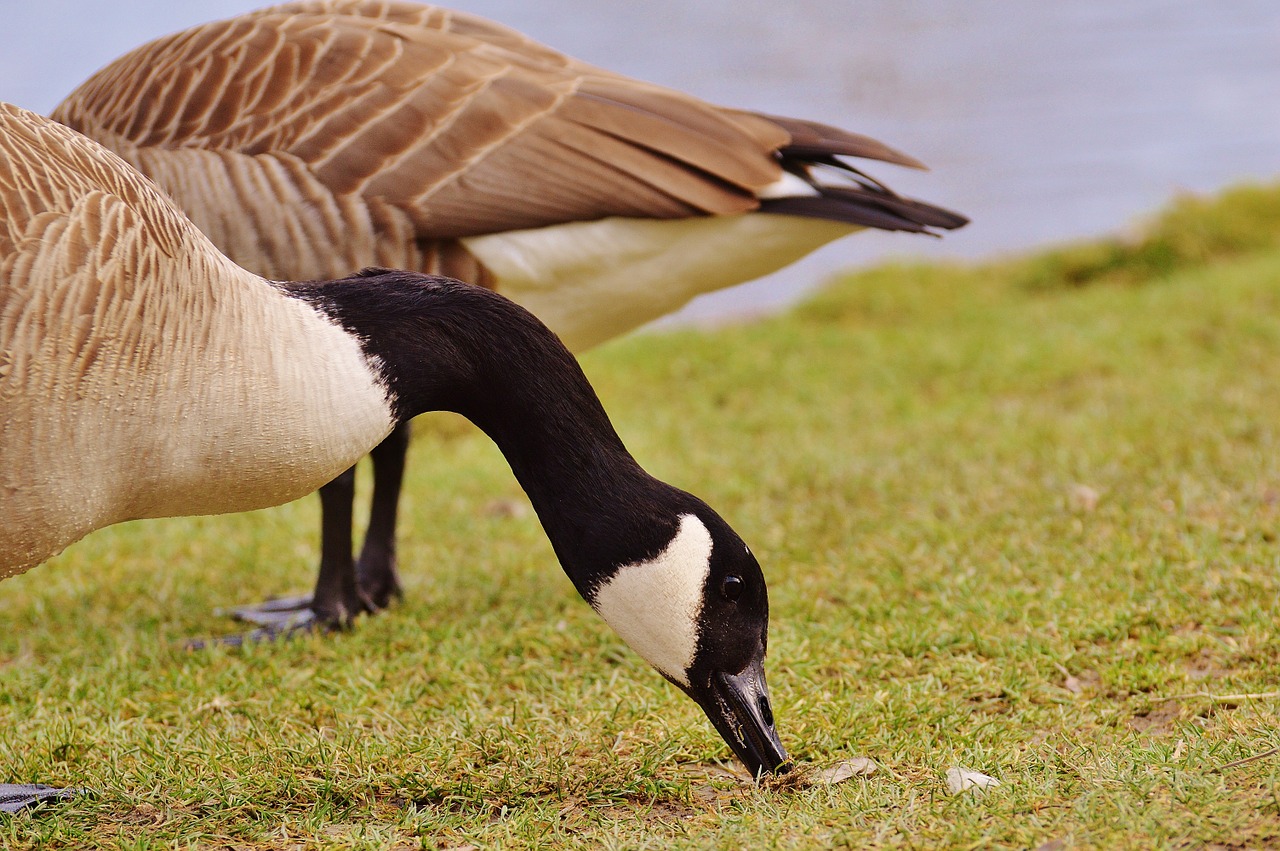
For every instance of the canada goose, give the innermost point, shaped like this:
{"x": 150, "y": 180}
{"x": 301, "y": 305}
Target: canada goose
{"x": 143, "y": 374}
{"x": 313, "y": 138}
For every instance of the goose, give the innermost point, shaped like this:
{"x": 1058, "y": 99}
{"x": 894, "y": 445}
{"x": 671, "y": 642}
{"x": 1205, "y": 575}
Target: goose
{"x": 312, "y": 138}
{"x": 143, "y": 374}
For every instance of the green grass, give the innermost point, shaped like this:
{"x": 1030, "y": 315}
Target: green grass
{"x": 1011, "y": 522}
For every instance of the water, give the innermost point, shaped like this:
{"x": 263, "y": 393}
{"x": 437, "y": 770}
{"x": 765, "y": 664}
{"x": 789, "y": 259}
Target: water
{"x": 1043, "y": 122}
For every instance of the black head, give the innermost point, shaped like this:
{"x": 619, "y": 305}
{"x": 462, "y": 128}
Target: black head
{"x": 727, "y": 676}
{"x": 698, "y": 611}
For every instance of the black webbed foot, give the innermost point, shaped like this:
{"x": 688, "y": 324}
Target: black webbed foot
{"x": 270, "y": 612}
{"x": 283, "y": 624}
{"x": 17, "y": 797}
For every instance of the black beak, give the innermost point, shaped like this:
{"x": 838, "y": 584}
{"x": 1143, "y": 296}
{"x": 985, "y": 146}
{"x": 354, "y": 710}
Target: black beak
{"x": 738, "y": 706}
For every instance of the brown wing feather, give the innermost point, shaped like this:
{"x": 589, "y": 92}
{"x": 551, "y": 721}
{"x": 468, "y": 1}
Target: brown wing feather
{"x": 814, "y": 140}
{"x": 398, "y": 117}
{"x": 416, "y": 106}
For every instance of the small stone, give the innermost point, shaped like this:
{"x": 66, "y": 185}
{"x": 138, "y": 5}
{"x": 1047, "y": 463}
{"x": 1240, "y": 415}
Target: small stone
{"x": 1083, "y": 498}
{"x": 859, "y": 766}
{"x": 963, "y": 779}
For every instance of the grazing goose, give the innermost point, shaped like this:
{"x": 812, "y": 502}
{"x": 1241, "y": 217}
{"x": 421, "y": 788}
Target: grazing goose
{"x": 143, "y": 374}
{"x": 313, "y": 138}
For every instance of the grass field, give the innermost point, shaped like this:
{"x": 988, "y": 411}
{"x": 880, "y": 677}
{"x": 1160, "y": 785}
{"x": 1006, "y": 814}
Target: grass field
{"x": 1019, "y": 518}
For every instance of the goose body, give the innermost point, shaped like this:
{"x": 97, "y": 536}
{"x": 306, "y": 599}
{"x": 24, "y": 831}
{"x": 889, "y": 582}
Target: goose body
{"x": 144, "y": 374}
{"x": 313, "y": 138}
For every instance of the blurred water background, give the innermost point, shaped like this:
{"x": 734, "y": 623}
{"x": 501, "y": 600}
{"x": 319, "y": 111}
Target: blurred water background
{"x": 1043, "y": 122}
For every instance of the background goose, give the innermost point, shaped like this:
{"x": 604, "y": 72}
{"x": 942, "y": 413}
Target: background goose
{"x": 313, "y": 138}
{"x": 143, "y": 374}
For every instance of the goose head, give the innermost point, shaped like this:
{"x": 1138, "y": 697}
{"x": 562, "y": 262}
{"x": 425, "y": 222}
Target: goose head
{"x": 697, "y": 610}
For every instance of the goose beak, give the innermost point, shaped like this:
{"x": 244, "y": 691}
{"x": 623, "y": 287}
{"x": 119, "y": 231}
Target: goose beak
{"x": 738, "y": 706}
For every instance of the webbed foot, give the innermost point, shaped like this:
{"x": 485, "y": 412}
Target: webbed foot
{"x": 271, "y": 612}
{"x": 16, "y": 797}
{"x": 272, "y": 626}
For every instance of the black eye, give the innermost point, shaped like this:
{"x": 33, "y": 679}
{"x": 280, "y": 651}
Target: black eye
{"x": 731, "y": 587}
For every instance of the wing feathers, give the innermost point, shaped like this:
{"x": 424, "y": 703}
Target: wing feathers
{"x": 868, "y": 208}
{"x": 460, "y": 125}
{"x": 811, "y": 139}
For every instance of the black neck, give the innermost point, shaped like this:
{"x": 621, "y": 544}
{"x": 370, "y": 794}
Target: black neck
{"x": 445, "y": 345}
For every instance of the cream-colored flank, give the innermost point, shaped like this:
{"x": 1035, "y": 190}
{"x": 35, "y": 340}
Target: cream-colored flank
{"x": 654, "y": 605}
{"x": 142, "y": 374}
{"x": 603, "y": 278}
{"x": 310, "y": 139}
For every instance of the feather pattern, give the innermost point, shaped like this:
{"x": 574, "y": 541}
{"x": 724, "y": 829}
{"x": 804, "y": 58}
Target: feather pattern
{"x": 311, "y": 138}
{"x": 117, "y": 314}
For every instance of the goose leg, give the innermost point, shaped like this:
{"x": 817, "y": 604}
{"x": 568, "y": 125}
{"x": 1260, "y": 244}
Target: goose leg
{"x": 337, "y": 598}
{"x": 343, "y": 590}
{"x": 15, "y": 797}
{"x": 376, "y": 569}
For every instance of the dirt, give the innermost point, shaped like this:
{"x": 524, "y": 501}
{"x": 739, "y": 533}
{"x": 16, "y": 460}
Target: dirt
{"x": 1160, "y": 720}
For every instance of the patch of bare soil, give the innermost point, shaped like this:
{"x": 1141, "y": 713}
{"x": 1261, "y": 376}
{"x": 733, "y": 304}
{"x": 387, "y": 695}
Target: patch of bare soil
{"x": 1159, "y": 720}
{"x": 1205, "y": 666}
{"x": 655, "y": 813}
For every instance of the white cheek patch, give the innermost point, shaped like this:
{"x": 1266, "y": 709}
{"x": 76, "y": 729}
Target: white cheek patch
{"x": 654, "y": 605}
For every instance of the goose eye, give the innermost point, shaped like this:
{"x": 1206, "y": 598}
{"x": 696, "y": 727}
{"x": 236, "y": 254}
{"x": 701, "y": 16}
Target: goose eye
{"x": 731, "y": 587}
